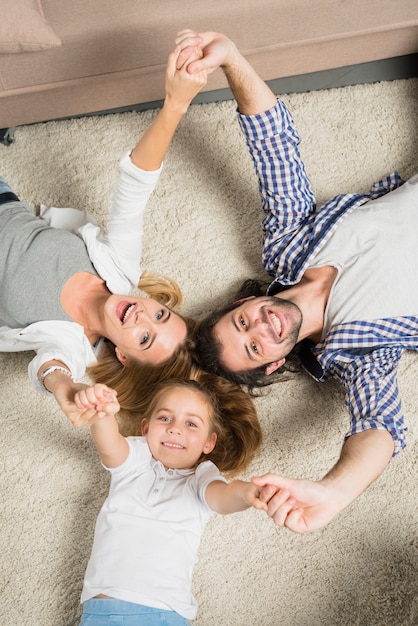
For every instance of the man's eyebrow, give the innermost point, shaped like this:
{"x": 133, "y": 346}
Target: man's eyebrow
{"x": 250, "y": 355}
{"x": 234, "y": 323}
{"x": 238, "y": 329}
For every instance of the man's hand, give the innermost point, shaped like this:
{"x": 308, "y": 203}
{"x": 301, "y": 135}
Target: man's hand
{"x": 306, "y": 505}
{"x": 217, "y": 50}
{"x": 300, "y": 505}
{"x": 252, "y": 94}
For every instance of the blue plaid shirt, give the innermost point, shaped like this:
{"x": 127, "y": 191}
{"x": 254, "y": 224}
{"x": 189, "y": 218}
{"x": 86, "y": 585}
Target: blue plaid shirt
{"x": 362, "y": 355}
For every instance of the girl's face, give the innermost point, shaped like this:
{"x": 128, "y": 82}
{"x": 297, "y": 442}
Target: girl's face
{"x": 142, "y": 329}
{"x": 180, "y": 428}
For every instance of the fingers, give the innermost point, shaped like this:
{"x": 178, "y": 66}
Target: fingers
{"x": 188, "y": 43}
{"x": 188, "y": 37}
{"x": 188, "y": 47}
{"x": 188, "y": 55}
{"x": 267, "y": 492}
{"x": 86, "y": 417}
{"x": 95, "y": 396}
{"x": 259, "y": 505}
{"x": 92, "y": 404}
{"x": 295, "y": 521}
{"x": 89, "y": 404}
{"x": 272, "y": 479}
{"x": 279, "y": 507}
{"x": 181, "y": 86}
{"x": 180, "y": 60}
{"x": 278, "y": 499}
{"x": 211, "y": 57}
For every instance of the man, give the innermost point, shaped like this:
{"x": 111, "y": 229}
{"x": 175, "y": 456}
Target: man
{"x": 342, "y": 295}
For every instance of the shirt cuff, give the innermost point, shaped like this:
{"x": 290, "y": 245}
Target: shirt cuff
{"x": 364, "y": 424}
{"x": 148, "y": 176}
{"x": 267, "y": 124}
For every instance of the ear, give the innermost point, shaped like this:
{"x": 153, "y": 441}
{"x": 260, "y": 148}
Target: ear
{"x": 144, "y": 426}
{"x": 121, "y": 357}
{"x": 210, "y": 444}
{"x": 272, "y": 367}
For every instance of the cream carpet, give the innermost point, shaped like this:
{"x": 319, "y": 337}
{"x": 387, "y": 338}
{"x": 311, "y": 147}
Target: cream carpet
{"x": 203, "y": 229}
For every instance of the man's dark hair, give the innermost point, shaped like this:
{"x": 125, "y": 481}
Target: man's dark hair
{"x": 208, "y": 348}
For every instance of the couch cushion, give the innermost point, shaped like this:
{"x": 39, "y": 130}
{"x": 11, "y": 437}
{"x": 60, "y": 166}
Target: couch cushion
{"x": 114, "y": 53}
{"x": 23, "y": 27}
{"x": 137, "y": 35}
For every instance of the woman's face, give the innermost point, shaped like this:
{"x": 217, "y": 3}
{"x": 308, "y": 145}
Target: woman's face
{"x": 142, "y": 329}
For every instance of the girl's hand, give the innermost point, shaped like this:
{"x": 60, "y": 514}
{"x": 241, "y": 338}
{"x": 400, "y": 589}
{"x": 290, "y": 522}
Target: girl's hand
{"x": 96, "y": 402}
{"x": 84, "y": 405}
{"x": 252, "y": 495}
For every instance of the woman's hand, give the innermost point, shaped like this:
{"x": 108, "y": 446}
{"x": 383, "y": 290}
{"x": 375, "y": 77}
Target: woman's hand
{"x": 181, "y": 86}
{"x": 84, "y": 405}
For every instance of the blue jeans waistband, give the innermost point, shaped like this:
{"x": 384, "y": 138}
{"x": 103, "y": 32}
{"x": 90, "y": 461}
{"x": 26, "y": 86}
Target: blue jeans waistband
{"x": 102, "y": 607}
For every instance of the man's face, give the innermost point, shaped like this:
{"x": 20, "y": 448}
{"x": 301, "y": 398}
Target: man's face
{"x": 260, "y": 331}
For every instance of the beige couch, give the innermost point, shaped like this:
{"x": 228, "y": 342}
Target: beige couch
{"x": 61, "y": 58}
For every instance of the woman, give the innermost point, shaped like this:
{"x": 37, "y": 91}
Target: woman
{"x": 62, "y": 293}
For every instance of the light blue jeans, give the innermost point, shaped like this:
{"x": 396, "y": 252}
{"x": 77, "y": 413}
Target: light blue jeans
{"x": 111, "y": 612}
{"x": 4, "y": 187}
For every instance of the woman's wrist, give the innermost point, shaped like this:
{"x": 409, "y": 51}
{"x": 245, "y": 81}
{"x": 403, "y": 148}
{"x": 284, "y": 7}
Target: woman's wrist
{"x": 174, "y": 108}
{"x": 53, "y": 374}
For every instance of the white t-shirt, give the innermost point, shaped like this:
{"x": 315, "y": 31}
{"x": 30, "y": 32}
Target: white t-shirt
{"x": 365, "y": 249}
{"x": 148, "y": 533}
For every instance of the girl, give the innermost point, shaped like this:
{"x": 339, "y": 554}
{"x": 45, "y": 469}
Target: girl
{"x": 164, "y": 486}
{"x": 62, "y": 293}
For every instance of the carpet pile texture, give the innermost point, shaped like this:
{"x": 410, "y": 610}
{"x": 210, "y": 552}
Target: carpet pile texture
{"x": 203, "y": 229}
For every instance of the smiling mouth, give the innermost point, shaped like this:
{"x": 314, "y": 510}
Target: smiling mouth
{"x": 275, "y": 324}
{"x": 124, "y": 311}
{"x": 172, "y": 445}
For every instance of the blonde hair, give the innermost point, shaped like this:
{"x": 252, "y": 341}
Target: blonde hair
{"x": 233, "y": 418}
{"x": 134, "y": 383}
{"x": 163, "y": 289}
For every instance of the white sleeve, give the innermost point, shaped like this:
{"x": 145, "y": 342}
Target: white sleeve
{"x": 60, "y": 341}
{"x": 206, "y": 473}
{"x": 116, "y": 255}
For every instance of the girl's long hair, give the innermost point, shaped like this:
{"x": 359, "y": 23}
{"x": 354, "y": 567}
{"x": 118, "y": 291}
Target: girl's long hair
{"x": 233, "y": 418}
